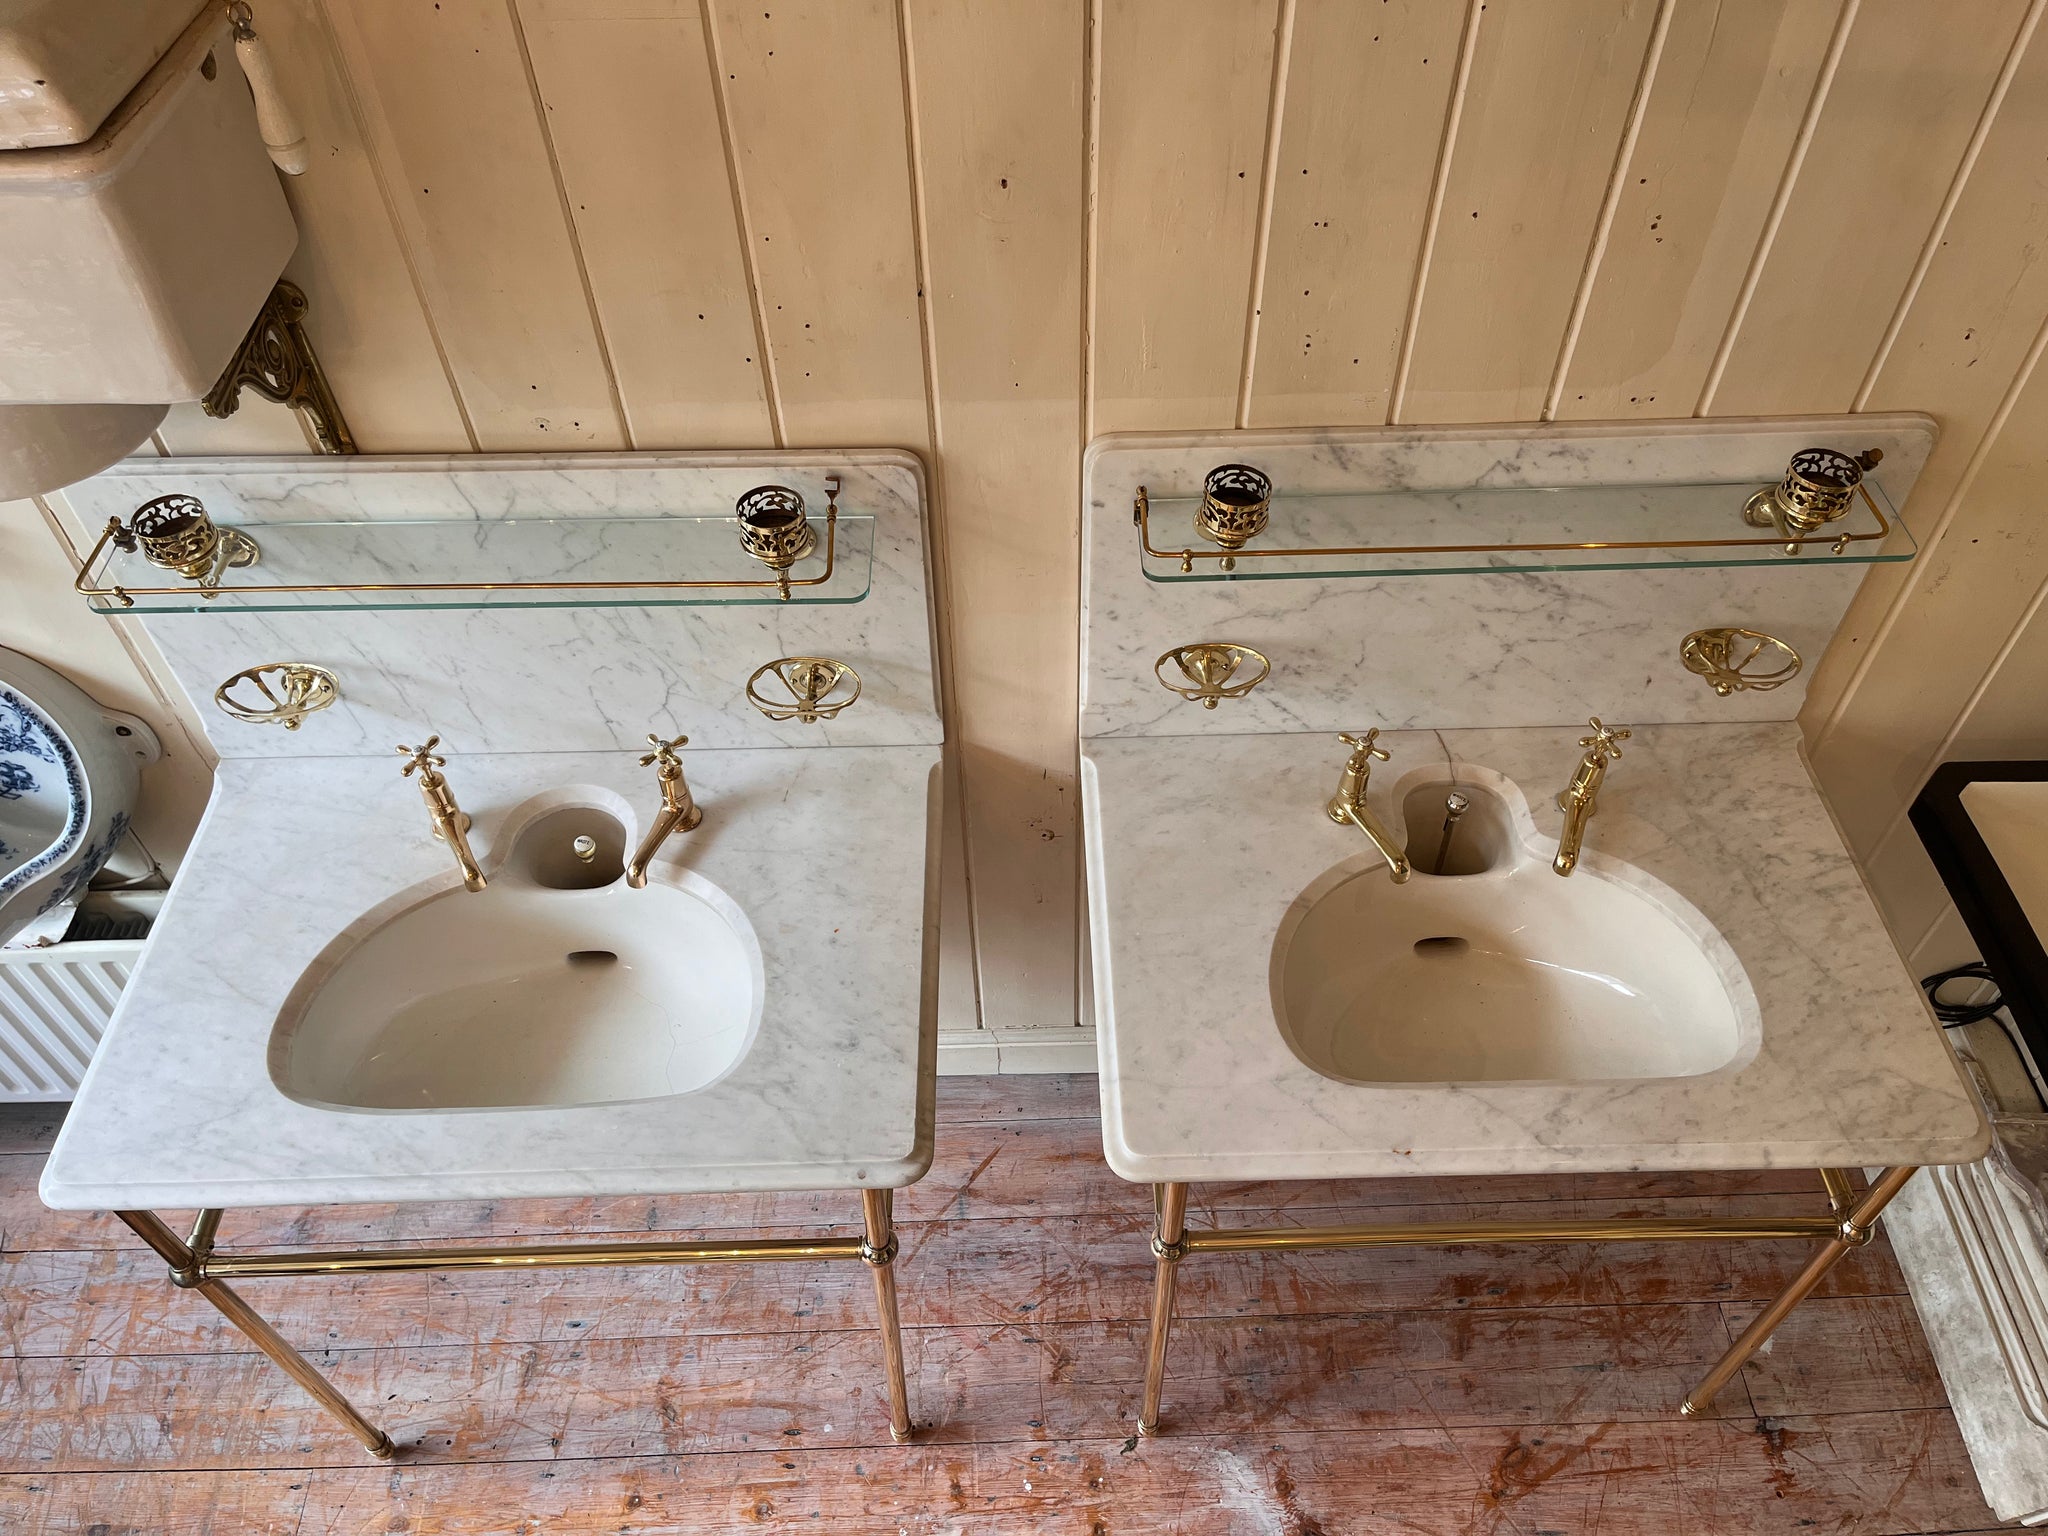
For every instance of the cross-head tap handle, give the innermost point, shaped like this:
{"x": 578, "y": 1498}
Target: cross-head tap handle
{"x": 1364, "y": 744}
{"x": 1605, "y": 742}
{"x": 422, "y": 757}
{"x": 664, "y": 752}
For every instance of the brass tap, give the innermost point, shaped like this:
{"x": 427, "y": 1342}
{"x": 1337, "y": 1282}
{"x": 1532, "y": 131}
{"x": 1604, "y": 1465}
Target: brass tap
{"x": 678, "y": 813}
{"x": 1578, "y": 798}
{"x": 450, "y": 822}
{"x": 1348, "y": 804}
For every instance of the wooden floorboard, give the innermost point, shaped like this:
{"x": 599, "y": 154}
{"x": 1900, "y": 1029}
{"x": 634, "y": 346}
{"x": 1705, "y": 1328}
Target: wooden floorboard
{"x": 1519, "y": 1390}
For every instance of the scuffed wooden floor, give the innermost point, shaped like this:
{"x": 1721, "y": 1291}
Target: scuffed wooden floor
{"x": 1521, "y": 1390}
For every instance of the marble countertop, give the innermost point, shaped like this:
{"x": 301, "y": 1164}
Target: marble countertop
{"x": 1197, "y": 846}
{"x": 830, "y": 852}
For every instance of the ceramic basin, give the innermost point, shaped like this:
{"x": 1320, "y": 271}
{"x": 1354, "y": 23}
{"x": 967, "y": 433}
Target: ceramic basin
{"x": 1507, "y": 975}
{"x": 547, "y": 988}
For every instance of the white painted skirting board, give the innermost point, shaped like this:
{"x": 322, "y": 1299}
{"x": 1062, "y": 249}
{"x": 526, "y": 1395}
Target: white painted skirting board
{"x": 984, "y": 1052}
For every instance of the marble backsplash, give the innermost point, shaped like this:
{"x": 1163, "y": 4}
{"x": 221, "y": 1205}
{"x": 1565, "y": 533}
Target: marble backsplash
{"x": 550, "y": 679}
{"x": 1493, "y": 649}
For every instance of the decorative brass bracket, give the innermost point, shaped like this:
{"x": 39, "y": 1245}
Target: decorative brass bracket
{"x": 276, "y": 360}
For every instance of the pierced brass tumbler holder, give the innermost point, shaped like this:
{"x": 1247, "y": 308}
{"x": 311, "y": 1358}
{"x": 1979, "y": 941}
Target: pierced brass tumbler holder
{"x": 1236, "y": 500}
{"x": 775, "y": 531}
{"x": 1819, "y": 487}
{"x": 175, "y": 533}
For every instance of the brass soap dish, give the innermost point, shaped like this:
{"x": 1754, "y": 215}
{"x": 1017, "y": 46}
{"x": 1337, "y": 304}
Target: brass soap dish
{"x": 1819, "y": 487}
{"x": 811, "y": 681}
{"x": 1209, "y": 668}
{"x": 288, "y": 690}
{"x": 175, "y": 533}
{"x": 1727, "y": 659}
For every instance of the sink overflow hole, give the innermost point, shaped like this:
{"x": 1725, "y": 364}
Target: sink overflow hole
{"x": 1443, "y": 944}
{"x": 608, "y": 957}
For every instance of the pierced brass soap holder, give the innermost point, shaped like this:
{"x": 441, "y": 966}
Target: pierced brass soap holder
{"x": 811, "y": 681}
{"x": 289, "y": 691}
{"x": 1728, "y": 659}
{"x": 1819, "y": 487}
{"x": 776, "y": 532}
{"x": 175, "y": 533}
{"x": 1209, "y": 667}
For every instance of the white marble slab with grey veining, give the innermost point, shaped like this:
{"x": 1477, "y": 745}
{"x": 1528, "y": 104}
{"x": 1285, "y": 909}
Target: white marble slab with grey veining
{"x": 548, "y": 679}
{"x": 829, "y": 853}
{"x": 1452, "y": 650}
{"x": 1197, "y": 846}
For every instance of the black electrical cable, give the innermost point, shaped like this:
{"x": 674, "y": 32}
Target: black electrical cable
{"x": 1963, "y": 1013}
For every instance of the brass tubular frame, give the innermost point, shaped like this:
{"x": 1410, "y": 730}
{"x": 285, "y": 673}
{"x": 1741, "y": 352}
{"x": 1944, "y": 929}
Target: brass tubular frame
{"x": 196, "y": 1266}
{"x": 1141, "y": 516}
{"x": 1853, "y": 1224}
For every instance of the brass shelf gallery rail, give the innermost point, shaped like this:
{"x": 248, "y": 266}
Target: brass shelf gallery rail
{"x": 1235, "y": 509}
{"x": 177, "y": 535}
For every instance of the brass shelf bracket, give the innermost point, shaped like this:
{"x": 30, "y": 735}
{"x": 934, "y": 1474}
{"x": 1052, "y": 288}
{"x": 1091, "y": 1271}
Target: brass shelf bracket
{"x": 276, "y": 360}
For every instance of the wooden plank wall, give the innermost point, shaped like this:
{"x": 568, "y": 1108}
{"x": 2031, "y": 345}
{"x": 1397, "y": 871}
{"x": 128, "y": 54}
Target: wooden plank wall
{"x": 988, "y": 229}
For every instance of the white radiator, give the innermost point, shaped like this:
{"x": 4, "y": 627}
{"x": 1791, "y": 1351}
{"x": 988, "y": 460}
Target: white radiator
{"x": 54, "y": 1006}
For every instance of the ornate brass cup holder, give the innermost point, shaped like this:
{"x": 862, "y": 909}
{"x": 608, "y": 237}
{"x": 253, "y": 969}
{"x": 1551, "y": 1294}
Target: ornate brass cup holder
{"x": 775, "y": 531}
{"x": 289, "y": 691}
{"x": 811, "y": 681}
{"x": 175, "y": 533}
{"x": 1235, "y": 502}
{"x": 1209, "y": 668}
{"x": 1819, "y": 487}
{"x": 1729, "y": 659}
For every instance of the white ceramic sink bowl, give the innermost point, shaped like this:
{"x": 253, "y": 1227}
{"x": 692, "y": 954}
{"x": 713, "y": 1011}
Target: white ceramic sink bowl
{"x": 1511, "y": 975}
{"x": 527, "y": 994}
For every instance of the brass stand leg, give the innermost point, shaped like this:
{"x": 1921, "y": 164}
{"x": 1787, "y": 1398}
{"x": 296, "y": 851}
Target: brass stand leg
{"x": 1859, "y": 1225}
{"x": 181, "y": 1258}
{"x": 1169, "y": 1246}
{"x": 879, "y": 1251}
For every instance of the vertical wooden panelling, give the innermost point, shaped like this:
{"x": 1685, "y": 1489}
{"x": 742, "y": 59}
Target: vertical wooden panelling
{"x": 997, "y": 101}
{"x": 1912, "y": 82}
{"x": 1973, "y": 325}
{"x": 366, "y": 316}
{"x": 814, "y": 89}
{"x": 1367, "y": 90}
{"x": 1183, "y": 118}
{"x": 1973, "y": 320}
{"x": 626, "y": 95}
{"x": 1729, "y": 93}
{"x": 451, "y": 113}
{"x": 1549, "y": 94}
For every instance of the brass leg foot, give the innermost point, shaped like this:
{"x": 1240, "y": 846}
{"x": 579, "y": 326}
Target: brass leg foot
{"x": 879, "y": 1250}
{"x": 176, "y": 1253}
{"x": 1857, "y": 1228}
{"x": 1170, "y": 1201}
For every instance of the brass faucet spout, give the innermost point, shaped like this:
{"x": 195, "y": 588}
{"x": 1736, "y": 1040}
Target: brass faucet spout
{"x": 679, "y": 811}
{"x": 1580, "y": 798}
{"x": 1348, "y": 804}
{"x": 451, "y": 824}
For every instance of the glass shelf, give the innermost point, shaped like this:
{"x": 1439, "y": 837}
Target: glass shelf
{"x": 562, "y": 562}
{"x": 1467, "y": 532}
